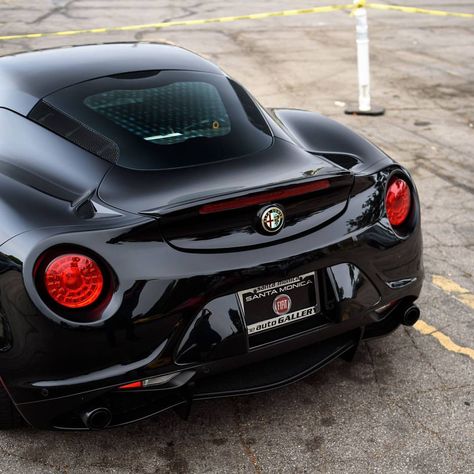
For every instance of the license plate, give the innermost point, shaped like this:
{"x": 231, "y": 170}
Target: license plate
{"x": 276, "y": 304}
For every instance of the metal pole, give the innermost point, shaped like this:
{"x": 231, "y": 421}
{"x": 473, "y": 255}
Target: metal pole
{"x": 363, "y": 64}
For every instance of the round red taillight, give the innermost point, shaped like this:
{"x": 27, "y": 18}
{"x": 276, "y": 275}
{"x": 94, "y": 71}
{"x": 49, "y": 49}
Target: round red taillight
{"x": 73, "y": 280}
{"x": 397, "y": 201}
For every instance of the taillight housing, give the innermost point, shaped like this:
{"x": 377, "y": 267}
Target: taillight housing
{"x": 398, "y": 201}
{"x": 76, "y": 285}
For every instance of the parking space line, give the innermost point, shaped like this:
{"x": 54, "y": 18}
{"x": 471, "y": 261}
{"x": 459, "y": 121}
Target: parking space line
{"x": 461, "y": 294}
{"x": 451, "y": 287}
{"x": 445, "y": 341}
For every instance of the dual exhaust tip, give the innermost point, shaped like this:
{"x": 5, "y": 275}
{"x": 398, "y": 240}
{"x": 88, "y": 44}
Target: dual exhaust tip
{"x": 410, "y": 315}
{"x": 97, "y": 418}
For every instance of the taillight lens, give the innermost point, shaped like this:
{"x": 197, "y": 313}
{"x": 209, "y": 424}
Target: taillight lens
{"x": 74, "y": 280}
{"x": 398, "y": 201}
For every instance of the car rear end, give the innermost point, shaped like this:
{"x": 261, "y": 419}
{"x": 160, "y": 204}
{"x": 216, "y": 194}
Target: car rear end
{"x": 181, "y": 324}
{"x": 216, "y": 257}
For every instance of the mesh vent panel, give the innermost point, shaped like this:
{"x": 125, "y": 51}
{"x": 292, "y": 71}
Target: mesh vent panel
{"x": 74, "y": 131}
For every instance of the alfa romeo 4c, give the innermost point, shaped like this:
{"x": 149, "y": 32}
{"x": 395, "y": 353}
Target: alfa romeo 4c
{"x": 164, "y": 238}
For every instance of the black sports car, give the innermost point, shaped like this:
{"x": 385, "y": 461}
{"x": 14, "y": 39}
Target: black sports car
{"x": 164, "y": 238}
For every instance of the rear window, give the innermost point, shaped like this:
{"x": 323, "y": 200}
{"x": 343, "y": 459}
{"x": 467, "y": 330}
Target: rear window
{"x": 168, "y": 119}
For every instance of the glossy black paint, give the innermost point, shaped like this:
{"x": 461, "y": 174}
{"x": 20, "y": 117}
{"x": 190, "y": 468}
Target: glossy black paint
{"x": 174, "y": 305}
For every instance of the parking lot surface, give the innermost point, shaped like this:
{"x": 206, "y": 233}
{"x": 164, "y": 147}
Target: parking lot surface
{"x": 405, "y": 404}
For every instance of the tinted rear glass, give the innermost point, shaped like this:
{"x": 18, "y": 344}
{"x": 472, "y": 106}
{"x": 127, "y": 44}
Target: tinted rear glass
{"x": 168, "y": 119}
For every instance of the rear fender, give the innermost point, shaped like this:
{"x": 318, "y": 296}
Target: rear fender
{"x": 322, "y": 136}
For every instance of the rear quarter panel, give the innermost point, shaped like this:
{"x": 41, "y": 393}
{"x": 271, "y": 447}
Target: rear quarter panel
{"x": 42, "y": 176}
{"x": 321, "y": 135}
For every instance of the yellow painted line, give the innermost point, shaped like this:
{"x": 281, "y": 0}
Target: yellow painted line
{"x": 451, "y": 287}
{"x": 425, "y": 11}
{"x": 461, "y": 294}
{"x": 444, "y": 340}
{"x": 252, "y": 16}
{"x": 169, "y": 24}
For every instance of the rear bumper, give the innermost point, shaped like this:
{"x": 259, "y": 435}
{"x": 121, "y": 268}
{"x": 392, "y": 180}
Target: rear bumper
{"x": 211, "y": 380}
{"x": 228, "y": 368}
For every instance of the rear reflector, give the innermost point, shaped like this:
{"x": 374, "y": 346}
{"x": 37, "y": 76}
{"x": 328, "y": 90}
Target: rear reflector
{"x": 385, "y": 307}
{"x": 138, "y": 384}
{"x": 263, "y": 198}
{"x": 161, "y": 379}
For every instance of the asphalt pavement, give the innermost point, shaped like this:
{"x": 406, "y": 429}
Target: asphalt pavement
{"x": 405, "y": 404}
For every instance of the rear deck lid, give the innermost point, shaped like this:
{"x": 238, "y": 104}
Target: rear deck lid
{"x": 216, "y": 206}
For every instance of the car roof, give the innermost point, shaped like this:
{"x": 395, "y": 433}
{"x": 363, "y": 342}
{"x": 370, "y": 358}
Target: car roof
{"x": 25, "y": 78}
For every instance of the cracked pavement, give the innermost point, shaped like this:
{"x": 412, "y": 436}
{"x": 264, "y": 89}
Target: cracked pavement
{"x": 405, "y": 404}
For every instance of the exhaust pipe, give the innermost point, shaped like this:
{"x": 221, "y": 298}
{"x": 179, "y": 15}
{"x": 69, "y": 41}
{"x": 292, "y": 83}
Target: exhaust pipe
{"x": 97, "y": 419}
{"x": 411, "y": 315}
